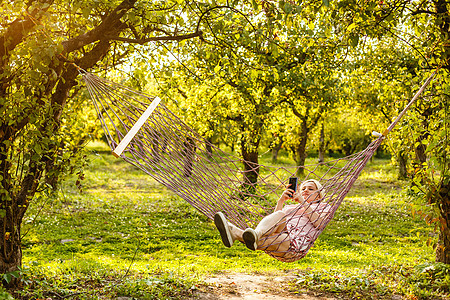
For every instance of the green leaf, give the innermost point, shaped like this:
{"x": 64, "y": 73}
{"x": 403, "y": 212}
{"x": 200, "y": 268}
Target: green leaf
{"x": 351, "y": 27}
{"x": 7, "y": 277}
{"x": 287, "y": 8}
{"x": 354, "y": 39}
{"x": 255, "y": 4}
{"x": 86, "y": 11}
{"x": 253, "y": 74}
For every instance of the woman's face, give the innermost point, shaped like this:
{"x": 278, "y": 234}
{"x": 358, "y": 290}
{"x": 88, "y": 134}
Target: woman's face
{"x": 308, "y": 191}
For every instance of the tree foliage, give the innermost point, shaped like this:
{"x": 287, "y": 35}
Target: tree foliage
{"x": 270, "y": 63}
{"x": 44, "y": 44}
{"x": 248, "y": 65}
{"x": 423, "y": 28}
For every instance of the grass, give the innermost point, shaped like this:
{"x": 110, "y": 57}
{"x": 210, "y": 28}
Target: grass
{"x": 126, "y": 235}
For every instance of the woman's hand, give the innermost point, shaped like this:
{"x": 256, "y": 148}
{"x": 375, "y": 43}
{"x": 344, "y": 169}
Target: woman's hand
{"x": 287, "y": 194}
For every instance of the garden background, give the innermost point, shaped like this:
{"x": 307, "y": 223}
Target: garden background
{"x": 272, "y": 82}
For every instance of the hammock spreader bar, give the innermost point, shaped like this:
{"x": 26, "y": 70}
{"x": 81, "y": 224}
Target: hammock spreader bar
{"x": 130, "y": 134}
{"x": 154, "y": 139}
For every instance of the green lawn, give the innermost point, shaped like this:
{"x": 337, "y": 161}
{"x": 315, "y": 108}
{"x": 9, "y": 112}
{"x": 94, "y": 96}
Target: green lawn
{"x": 127, "y": 235}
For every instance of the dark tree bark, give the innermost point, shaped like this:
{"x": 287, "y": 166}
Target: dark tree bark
{"x": 307, "y": 122}
{"x": 421, "y": 155}
{"x": 209, "y": 147}
{"x": 275, "y": 150}
{"x": 300, "y": 148}
{"x": 443, "y": 245}
{"x": 251, "y": 164}
{"x": 188, "y": 156}
{"x": 402, "y": 159}
{"x": 322, "y": 144}
{"x": 443, "y": 249}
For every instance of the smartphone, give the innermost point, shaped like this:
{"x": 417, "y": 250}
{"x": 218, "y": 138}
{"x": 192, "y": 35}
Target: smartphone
{"x": 293, "y": 183}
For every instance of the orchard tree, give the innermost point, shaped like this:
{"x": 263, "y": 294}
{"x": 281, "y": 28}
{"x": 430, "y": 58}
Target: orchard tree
{"x": 428, "y": 138}
{"x": 424, "y": 27}
{"x": 343, "y": 132}
{"x": 244, "y": 62}
{"x": 268, "y": 62}
{"x": 382, "y": 79}
{"x": 314, "y": 94}
{"x": 43, "y": 43}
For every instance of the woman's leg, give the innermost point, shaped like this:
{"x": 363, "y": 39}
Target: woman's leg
{"x": 266, "y": 226}
{"x": 271, "y": 225}
{"x": 278, "y": 243}
{"x": 228, "y": 232}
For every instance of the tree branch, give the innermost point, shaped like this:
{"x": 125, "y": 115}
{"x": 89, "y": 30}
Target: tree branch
{"x": 156, "y": 38}
{"x": 422, "y": 11}
{"x": 297, "y": 113}
{"x": 18, "y": 29}
{"x": 110, "y": 23}
{"x": 221, "y": 7}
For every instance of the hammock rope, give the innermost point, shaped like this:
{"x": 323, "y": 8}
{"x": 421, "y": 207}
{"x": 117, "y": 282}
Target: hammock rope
{"x": 204, "y": 175}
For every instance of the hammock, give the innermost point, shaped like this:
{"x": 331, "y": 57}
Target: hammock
{"x": 156, "y": 141}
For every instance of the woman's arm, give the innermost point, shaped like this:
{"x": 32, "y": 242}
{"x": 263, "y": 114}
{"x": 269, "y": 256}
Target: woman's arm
{"x": 287, "y": 194}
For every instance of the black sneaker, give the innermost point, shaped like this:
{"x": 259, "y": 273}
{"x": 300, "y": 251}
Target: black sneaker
{"x": 222, "y": 225}
{"x": 250, "y": 238}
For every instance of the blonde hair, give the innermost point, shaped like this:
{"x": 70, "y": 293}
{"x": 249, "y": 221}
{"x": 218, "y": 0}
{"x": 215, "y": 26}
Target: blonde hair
{"x": 318, "y": 186}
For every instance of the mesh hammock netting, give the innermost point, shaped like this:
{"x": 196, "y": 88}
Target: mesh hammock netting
{"x": 205, "y": 176}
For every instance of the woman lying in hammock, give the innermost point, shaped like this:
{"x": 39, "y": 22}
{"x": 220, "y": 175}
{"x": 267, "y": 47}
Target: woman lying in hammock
{"x": 290, "y": 228}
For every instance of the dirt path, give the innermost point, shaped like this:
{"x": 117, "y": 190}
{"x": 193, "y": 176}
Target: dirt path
{"x": 237, "y": 286}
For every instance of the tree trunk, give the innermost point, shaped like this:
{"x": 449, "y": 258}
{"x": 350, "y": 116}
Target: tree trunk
{"x": 16, "y": 193}
{"x": 251, "y": 165}
{"x": 276, "y": 148}
{"x": 420, "y": 152}
{"x": 188, "y": 156}
{"x": 322, "y": 144}
{"x": 443, "y": 249}
{"x": 208, "y": 147}
{"x": 13, "y": 205}
{"x": 443, "y": 246}
{"x": 10, "y": 246}
{"x": 300, "y": 149}
{"x": 402, "y": 163}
